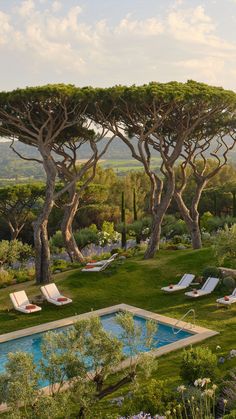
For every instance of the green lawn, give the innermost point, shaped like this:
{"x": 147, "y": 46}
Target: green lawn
{"x": 135, "y": 282}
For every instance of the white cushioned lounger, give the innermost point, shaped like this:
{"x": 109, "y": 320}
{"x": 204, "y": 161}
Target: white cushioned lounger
{"x": 96, "y": 268}
{"x": 21, "y": 303}
{"x": 231, "y": 299}
{"x": 185, "y": 281}
{"x": 102, "y": 262}
{"x": 206, "y": 289}
{"x": 52, "y": 295}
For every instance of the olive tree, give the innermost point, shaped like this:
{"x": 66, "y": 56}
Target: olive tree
{"x": 79, "y": 366}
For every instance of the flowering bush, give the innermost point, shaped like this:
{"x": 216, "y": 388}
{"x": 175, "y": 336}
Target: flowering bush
{"x": 108, "y": 235}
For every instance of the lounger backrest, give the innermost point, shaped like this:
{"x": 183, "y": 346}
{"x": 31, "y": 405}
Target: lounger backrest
{"x": 19, "y": 298}
{"x": 50, "y": 291}
{"x": 113, "y": 256}
{"x": 186, "y": 280}
{"x": 210, "y": 284}
{"x": 234, "y": 293}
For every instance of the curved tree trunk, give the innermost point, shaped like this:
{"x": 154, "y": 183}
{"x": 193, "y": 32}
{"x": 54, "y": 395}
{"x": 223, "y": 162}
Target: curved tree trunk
{"x": 41, "y": 243}
{"x": 67, "y": 225}
{"x": 15, "y": 230}
{"x": 158, "y": 215}
{"x": 191, "y": 220}
{"x": 196, "y": 234}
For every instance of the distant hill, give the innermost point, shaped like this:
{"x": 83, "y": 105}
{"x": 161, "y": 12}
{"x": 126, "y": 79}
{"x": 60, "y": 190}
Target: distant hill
{"x": 118, "y": 156}
{"x": 12, "y": 167}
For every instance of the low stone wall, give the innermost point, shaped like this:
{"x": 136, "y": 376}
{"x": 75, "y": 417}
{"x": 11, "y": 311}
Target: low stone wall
{"x": 228, "y": 272}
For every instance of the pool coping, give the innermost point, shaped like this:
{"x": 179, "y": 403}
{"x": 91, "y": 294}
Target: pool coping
{"x": 198, "y": 333}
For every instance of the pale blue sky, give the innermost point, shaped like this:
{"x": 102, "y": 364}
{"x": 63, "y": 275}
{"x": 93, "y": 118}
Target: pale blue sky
{"x": 107, "y": 42}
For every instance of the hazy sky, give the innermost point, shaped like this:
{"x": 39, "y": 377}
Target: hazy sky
{"x": 107, "y": 42}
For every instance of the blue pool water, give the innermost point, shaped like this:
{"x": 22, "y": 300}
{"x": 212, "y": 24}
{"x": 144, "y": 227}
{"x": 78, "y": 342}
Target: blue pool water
{"x": 32, "y": 343}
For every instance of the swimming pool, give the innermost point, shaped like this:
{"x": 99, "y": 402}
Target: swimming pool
{"x": 165, "y": 340}
{"x": 31, "y": 344}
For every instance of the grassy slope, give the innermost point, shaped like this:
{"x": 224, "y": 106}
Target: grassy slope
{"x": 136, "y": 282}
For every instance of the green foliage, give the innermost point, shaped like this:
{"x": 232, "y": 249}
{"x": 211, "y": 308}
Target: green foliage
{"x": 20, "y": 204}
{"x": 85, "y": 357}
{"x": 231, "y": 415}
{"x": 225, "y": 245}
{"x": 6, "y": 278}
{"x": 12, "y": 276}
{"x": 13, "y": 251}
{"x": 56, "y": 242}
{"x": 132, "y": 334}
{"x": 198, "y": 362}
{"x": 18, "y": 385}
{"x": 172, "y": 227}
{"x": 211, "y": 271}
{"x": 140, "y": 229}
{"x": 85, "y": 236}
{"x": 108, "y": 235}
{"x": 229, "y": 283}
{"x": 23, "y": 275}
{"x": 206, "y": 218}
{"x": 152, "y": 396}
{"x": 60, "y": 265}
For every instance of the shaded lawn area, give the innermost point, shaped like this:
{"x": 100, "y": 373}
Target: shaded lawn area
{"x": 135, "y": 282}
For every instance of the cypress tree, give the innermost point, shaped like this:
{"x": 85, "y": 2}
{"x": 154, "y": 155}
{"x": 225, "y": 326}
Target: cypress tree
{"x": 135, "y": 205}
{"x": 123, "y": 220}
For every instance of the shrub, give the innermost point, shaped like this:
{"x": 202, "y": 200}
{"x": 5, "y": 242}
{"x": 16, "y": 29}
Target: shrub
{"x": 231, "y": 415}
{"x": 56, "y": 242}
{"x": 172, "y": 227}
{"x": 225, "y": 244}
{"x": 211, "y": 271}
{"x": 206, "y": 218}
{"x": 21, "y": 276}
{"x": 150, "y": 396}
{"x": 198, "y": 362}
{"x": 140, "y": 229}
{"x": 6, "y": 278}
{"x": 229, "y": 282}
{"x": 177, "y": 239}
{"x": 60, "y": 265}
{"x": 14, "y": 251}
{"x": 86, "y": 236}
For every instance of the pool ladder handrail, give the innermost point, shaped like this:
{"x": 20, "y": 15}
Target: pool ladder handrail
{"x": 181, "y": 319}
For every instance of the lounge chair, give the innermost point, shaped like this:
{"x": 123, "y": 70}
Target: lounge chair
{"x": 227, "y": 300}
{"x": 102, "y": 262}
{"x": 52, "y": 295}
{"x": 206, "y": 289}
{"x": 94, "y": 268}
{"x": 185, "y": 281}
{"x": 21, "y": 303}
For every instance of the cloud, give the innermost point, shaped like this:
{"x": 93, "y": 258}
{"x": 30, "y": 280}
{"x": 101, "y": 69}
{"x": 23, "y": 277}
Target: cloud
{"x": 5, "y": 28}
{"x": 183, "y": 42}
{"x": 145, "y": 28}
{"x": 26, "y": 8}
{"x": 208, "y": 69}
{"x": 56, "y": 6}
